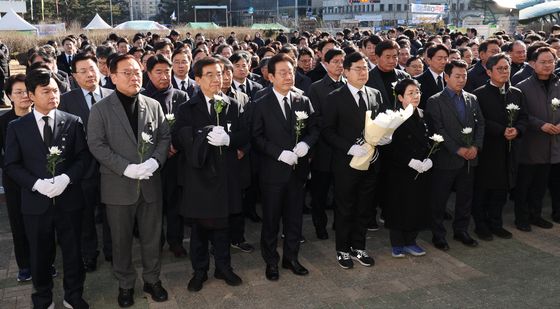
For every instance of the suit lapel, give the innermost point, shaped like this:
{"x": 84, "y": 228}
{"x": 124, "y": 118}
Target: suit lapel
{"x": 451, "y": 106}
{"x": 202, "y": 106}
{"x": 379, "y": 81}
{"x": 277, "y": 110}
{"x": 35, "y": 133}
{"x": 142, "y": 119}
{"x": 121, "y": 115}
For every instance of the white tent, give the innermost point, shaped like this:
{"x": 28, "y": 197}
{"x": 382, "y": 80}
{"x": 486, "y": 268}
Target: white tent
{"x": 13, "y": 22}
{"x": 97, "y": 23}
{"x": 141, "y": 25}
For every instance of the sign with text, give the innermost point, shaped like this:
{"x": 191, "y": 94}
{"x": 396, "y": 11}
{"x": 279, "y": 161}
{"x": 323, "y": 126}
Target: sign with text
{"x": 427, "y": 8}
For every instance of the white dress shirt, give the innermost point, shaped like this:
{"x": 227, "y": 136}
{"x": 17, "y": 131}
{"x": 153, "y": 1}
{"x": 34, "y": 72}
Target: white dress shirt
{"x": 96, "y": 94}
{"x": 280, "y": 98}
{"x": 354, "y": 92}
{"x": 41, "y": 123}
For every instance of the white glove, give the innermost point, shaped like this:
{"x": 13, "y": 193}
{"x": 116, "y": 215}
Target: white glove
{"x": 218, "y": 129}
{"x": 134, "y": 171}
{"x": 385, "y": 140}
{"x": 416, "y": 165}
{"x": 43, "y": 186}
{"x": 288, "y": 157}
{"x": 60, "y": 184}
{"x": 427, "y": 164}
{"x": 218, "y": 138}
{"x": 301, "y": 149}
{"x": 357, "y": 151}
{"x": 148, "y": 167}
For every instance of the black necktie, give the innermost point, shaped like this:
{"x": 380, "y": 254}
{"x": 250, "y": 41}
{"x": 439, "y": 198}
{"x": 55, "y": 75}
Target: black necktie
{"x": 361, "y": 102}
{"x": 183, "y": 86}
{"x": 287, "y": 110}
{"x": 106, "y": 80}
{"x": 47, "y": 132}
{"x": 69, "y": 59}
{"x": 212, "y": 110}
{"x": 439, "y": 83}
{"x": 242, "y": 88}
{"x": 92, "y": 98}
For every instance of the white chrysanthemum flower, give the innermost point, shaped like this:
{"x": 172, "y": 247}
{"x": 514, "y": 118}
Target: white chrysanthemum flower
{"x": 512, "y": 107}
{"x": 301, "y": 115}
{"x": 467, "y": 130}
{"x": 54, "y": 150}
{"x": 437, "y": 138}
{"x": 169, "y": 117}
{"x": 147, "y": 138}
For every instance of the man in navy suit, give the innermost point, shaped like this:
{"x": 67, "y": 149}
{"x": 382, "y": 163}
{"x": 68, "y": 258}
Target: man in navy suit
{"x": 51, "y": 203}
{"x": 284, "y": 164}
{"x": 78, "y": 102}
{"x": 64, "y": 60}
{"x": 181, "y": 66}
{"x": 432, "y": 80}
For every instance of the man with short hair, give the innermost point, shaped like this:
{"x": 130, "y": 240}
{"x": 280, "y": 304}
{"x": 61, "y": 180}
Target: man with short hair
{"x": 322, "y": 48}
{"x": 518, "y": 56}
{"x": 181, "y": 66}
{"x": 103, "y": 54}
{"x": 477, "y": 74}
{"x": 130, "y": 178}
{"x": 64, "y": 60}
{"x": 79, "y": 102}
{"x": 450, "y": 113}
{"x": 368, "y": 48}
{"x": 432, "y": 80}
{"x": 241, "y": 61}
{"x": 52, "y": 201}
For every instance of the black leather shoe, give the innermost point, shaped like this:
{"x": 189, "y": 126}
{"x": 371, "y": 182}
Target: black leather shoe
{"x": 322, "y": 234}
{"x": 440, "y": 244}
{"x": 502, "y": 233}
{"x": 109, "y": 258}
{"x": 79, "y": 303}
{"x": 556, "y": 219}
{"x": 523, "y": 227}
{"x": 196, "y": 282}
{"x": 158, "y": 293}
{"x": 90, "y": 265}
{"x": 178, "y": 250}
{"x": 228, "y": 276}
{"x": 272, "y": 272}
{"x": 465, "y": 238}
{"x": 542, "y": 223}
{"x": 125, "y": 298}
{"x": 484, "y": 234}
{"x": 295, "y": 267}
{"x": 447, "y": 216}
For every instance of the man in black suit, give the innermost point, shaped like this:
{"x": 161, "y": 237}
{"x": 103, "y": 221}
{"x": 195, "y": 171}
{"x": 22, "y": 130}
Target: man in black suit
{"x": 302, "y": 81}
{"x": 159, "y": 88}
{"x": 449, "y": 113}
{"x": 104, "y": 53}
{"x": 78, "y": 102}
{"x": 477, "y": 75}
{"x": 181, "y": 66}
{"x": 209, "y": 137}
{"x": 241, "y": 61}
{"x": 321, "y": 173}
{"x": 51, "y": 203}
{"x": 497, "y": 170}
{"x": 64, "y": 60}
{"x": 432, "y": 80}
{"x": 367, "y": 47}
{"x": 343, "y": 123}
{"x": 284, "y": 163}
{"x": 322, "y": 48}
{"x": 385, "y": 72}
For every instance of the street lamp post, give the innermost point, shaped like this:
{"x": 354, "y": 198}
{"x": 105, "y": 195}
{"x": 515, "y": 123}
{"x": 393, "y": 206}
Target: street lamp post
{"x": 111, "y": 9}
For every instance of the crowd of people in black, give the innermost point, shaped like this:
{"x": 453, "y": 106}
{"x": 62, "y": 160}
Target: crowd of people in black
{"x": 150, "y": 135}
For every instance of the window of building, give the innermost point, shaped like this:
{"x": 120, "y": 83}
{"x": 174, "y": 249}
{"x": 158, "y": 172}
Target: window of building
{"x": 390, "y": 7}
{"x": 454, "y": 7}
{"x": 462, "y": 6}
{"x": 398, "y": 7}
{"x": 382, "y": 7}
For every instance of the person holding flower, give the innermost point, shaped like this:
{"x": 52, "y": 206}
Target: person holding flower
{"x": 26, "y": 160}
{"x": 539, "y": 156}
{"x": 407, "y": 162}
{"x": 504, "y": 111}
{"x": 455, "y": 115}
{"x": 208, "y": 131}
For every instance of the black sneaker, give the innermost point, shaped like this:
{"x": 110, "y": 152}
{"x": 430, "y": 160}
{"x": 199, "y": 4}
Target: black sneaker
{"x": 362, "y": 257}
{"x": 542, "y": 223}
{"x": 243, "y": 246}
{"x": 344, "y": 259}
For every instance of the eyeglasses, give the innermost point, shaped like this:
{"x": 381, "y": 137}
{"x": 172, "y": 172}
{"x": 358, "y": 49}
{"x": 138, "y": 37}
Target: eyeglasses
{"x": 548, "y": 62}
{"x": 19, "y": 92}
{"x": 129, "y": 74}
{"x": 360, "y": 69}
{"x": 284, "y": 73}
{"x": 503, "y": 69}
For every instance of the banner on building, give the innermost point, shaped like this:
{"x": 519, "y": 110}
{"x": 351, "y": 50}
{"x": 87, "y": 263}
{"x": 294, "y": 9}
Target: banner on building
{"x": 427, "y": 8}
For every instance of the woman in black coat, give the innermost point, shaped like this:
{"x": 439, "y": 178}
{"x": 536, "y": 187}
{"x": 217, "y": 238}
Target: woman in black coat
{"x": 21, "y": 105}
{"x": 406, "y": 163}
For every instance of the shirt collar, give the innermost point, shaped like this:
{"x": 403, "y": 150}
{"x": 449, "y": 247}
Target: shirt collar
{"x": 97, "y": 91}
{"x": 39, "y": 116}
{"x": 502, "y": 89}
{"x": 281, "y": 97}
{"x": 236, "y": 83}
{"x": 355, "y": 90}
{"x": 178, "y": 80}
{"x": 435, "y": 75}
{"x": 453, "y": 93}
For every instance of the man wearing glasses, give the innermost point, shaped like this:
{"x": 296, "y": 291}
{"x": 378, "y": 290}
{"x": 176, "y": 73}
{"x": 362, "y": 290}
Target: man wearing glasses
{"x": 129, "y": 136}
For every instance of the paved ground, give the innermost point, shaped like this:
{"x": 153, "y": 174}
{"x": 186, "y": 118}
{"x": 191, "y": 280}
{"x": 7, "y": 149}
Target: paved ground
{"x": 519, "y": 273}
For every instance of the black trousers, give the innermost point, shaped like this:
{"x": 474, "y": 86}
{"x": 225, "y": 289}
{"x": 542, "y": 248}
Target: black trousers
{"x": 175, "y": 229}
{"x": 13, "y": 204}
{"x": 443, "y": 181}
{"x": 283, "y": 201}
{"x": 41, "y": 231}
{"x": 554, "y": 189}
{"x": 237, "y": 228}
{"x": 353, "y": 195}
{"x": 250, "y": 196}
{"x": 200, "y": 258}
{"x": 532, "y": 180}
{"x": 92, "y": 198}
{"x": 487, "y": 208}
{"x": 319, "y": 187}
{"x": 400, "y": 238}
